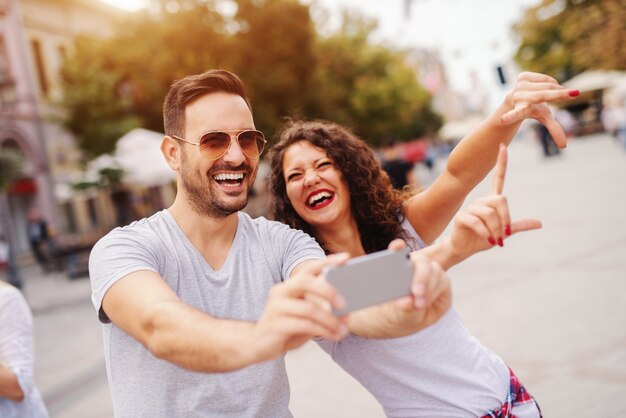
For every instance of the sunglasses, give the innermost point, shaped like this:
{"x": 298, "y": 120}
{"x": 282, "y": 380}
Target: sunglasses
{"x": 215, "y": 144}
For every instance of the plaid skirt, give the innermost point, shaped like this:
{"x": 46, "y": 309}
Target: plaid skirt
{"x": 517, "y": 396}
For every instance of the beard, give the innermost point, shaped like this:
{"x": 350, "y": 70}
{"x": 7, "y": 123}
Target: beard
{"x": 203, "y": 195}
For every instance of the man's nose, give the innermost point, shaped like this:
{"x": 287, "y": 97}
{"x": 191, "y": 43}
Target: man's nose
{"x": 234, "y": 153}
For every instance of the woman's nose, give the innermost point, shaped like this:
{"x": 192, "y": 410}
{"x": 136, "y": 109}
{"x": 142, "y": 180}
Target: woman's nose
{"x": 311, "y": 177}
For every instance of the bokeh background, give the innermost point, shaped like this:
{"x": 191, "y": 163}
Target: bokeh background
{"x": 81, "y": 89}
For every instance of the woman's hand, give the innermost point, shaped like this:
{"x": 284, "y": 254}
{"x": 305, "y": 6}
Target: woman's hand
{"x": 487, "y": 222}
{"x": 529, "y": 99}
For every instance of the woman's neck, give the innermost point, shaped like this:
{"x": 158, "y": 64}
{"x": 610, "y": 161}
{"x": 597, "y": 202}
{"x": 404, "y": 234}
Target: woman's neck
{"x": 343, "y": 238}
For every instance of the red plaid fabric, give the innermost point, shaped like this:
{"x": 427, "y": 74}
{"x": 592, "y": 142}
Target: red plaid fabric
{"x": 517, "y": 395}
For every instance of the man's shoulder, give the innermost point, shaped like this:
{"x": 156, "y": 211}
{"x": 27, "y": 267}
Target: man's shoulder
{"x": 145, "y": 229}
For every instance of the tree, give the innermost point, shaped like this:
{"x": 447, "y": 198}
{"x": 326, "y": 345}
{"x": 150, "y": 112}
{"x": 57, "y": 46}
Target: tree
{"x": 97, "y": 110}
{"x": 11, "y": 164}
{"x": 370, "y": 87}
{"x": 567, "y": 37}
{"x": 272, "y": 44}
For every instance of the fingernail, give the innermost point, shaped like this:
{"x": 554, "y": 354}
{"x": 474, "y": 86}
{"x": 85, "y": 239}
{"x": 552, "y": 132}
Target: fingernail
{"x": 574, "y": 93}
{"x": 507, "y": 230}
{"x": 500, "y": 242}
{"x": 418, "y": 289}
{"x": 491, "y": 240}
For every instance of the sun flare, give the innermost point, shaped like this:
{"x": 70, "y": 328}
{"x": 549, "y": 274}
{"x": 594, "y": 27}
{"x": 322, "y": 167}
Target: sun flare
{"x": 130, "y": 5}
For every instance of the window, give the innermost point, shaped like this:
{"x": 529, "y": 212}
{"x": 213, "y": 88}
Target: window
{"x": 67, "y": 209}
{"x": 41, "y": 68}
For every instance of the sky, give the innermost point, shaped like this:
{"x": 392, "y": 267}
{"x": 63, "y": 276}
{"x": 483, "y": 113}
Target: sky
{"x": 472, "y": 37}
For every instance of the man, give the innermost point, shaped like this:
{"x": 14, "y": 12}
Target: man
{"x": 196, "y": 313}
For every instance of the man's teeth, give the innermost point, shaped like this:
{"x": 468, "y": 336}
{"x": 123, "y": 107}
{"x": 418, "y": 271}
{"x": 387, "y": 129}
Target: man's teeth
{"x": 228, "y": 176}
{"x": 316, "y": 197}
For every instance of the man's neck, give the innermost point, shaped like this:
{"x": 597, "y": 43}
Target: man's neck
{"x": 212, "y": 236}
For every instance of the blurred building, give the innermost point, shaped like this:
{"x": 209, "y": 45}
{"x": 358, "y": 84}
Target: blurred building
{"x": 599, "y": 89}
{"x": 35, "y": 36}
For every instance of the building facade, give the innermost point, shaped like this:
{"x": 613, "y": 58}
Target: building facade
{"x": 35, "y": 37}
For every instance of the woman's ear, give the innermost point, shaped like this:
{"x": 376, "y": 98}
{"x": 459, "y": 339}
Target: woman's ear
{"x": 171, "y": 151}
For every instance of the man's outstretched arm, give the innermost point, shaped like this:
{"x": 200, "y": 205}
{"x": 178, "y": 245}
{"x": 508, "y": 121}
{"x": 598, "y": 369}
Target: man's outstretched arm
{"x": 146, "y": 308}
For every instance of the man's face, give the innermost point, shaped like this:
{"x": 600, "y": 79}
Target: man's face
{"x": 217, "y": 188}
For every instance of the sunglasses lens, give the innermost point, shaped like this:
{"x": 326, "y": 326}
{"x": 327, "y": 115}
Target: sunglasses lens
{"x": 252, "y": 143}
{"x": 214, "y": 144}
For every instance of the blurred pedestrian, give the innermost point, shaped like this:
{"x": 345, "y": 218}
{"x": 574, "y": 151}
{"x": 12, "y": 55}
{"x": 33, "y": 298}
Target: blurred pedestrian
{"x": 400, "y": 171}
{"x": 19, "y": 398}
{"x": 39, "y": 238}
{"x": 548, "y": 146}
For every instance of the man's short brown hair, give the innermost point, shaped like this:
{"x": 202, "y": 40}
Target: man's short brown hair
{"x": 184, "y": 91}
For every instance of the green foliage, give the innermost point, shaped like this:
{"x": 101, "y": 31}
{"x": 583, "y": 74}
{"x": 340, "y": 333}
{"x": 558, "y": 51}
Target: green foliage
{"x": 115, "y": 84}
{"x": 11, "y": 166}
{"x": 108, "y": 178}
{"x": 370, "y": 87}
{"x": 567, "y": 37}
{"x": 98, "y": 111}
{"x": 111, "y": 176}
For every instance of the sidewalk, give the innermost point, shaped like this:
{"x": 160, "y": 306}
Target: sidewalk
{"x": 551, "y": 302}
{"x": 69, "y": 368}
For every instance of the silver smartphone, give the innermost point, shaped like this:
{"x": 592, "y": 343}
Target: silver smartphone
{"x": 372, "y": 279}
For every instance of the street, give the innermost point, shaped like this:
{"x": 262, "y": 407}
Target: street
{"x": 551, "y": 303}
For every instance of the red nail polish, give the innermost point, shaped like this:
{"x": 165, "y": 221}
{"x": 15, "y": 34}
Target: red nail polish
{"x": 500, "y": 242}
{"x": 491, "y": 240}
{"x": 574, "y": 93}
{"x": 507, "y": 230}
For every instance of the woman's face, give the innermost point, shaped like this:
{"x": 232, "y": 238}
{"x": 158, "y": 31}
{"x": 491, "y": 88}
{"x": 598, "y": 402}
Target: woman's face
{"x": 315, "y": 186}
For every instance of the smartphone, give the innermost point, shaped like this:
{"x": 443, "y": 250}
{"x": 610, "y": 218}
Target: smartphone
{"x": 372, "y": 279}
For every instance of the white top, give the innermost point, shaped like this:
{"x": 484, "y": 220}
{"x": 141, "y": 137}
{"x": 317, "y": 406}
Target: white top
{"x": 17, "y": 354}
{"x": 441, "y": 371}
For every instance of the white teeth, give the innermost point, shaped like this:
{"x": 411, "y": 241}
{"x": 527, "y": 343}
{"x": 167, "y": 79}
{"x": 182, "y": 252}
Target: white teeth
{"x": 228, "y": 176}
{"x": 317, "y": 197}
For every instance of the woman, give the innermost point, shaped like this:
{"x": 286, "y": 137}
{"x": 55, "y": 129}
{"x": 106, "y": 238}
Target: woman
{"x": 327, "y": 182}
{"x": 19, "y": 398}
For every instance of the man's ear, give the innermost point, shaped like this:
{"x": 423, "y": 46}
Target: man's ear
{"x": 171, "y": 151}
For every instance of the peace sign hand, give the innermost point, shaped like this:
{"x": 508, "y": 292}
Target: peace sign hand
{"x": 487, "y": 221}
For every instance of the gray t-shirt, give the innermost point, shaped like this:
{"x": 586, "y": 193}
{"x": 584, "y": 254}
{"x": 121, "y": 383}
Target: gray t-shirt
{"x": 263, "y": 253}
{"x": 441, "y": 371}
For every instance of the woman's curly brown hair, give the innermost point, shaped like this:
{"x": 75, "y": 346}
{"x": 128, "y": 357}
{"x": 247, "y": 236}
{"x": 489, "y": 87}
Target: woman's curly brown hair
{"x": 376, "y": 205}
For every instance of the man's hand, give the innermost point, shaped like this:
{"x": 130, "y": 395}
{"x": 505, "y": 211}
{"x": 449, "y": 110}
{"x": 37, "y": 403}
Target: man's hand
{"x": 529, "y": 99}
{"x": 298, "y": 310}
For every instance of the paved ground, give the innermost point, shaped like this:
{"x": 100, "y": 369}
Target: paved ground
{"x": 552, "y": 303}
